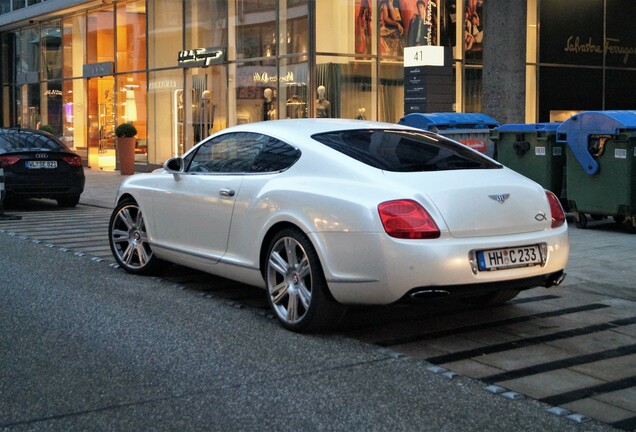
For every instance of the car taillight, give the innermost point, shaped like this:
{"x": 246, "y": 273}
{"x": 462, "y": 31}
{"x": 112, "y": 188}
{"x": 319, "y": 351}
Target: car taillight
{"x": 558, "y": 216}
{"x": 407, "y": 219}
{"x": 73, "y": 160}
{"x": 6, "y": 161}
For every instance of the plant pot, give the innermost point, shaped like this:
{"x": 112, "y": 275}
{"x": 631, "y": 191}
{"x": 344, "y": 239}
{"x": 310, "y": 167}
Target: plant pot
{"x": 126, "y": 154}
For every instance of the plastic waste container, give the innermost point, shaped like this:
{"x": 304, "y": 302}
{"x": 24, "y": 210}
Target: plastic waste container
{"x": 470, "y": 129}
{"x": 533, "y": 151}
{"x": 600, "y": 167}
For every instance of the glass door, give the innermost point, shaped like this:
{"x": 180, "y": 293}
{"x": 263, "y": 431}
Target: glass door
{"x": 101, "y": 123}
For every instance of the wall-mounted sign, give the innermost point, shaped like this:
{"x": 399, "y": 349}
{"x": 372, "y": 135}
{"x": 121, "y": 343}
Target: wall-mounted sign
{"x": 201, "y": 57}
{"x": 98, "y": 69}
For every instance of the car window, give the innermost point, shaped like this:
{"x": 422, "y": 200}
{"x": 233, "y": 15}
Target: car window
{"x": 404, "y": 151}
{"x": 228, "y": 153}
{"x": 15, "y": 140}
{"x": 275, "y": 156}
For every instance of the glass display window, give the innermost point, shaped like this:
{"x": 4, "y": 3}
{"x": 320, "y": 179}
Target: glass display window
{"x": 73, "y": 45}
{"x": 166, "y": 115}
{"x": 165, "y": 33}
{"x": 348, "y": 88}
{"x": 206, "y": 23}
{"x": 74, "y": 118}
{"x": 294, "y": 27}
{"x": 345, "y": 26}
{"x": 51, "y": 44}
{"x": 256, "y": 92}
{"x": 131, "y": 108}
{"x": 391, "y": 92}
{"x": 131, "y": 36}
{"x": 293, "y": 91}
{"x": 100, "y": 36}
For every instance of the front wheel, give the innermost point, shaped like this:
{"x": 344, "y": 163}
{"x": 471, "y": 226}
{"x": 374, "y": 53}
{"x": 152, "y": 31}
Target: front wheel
{"x": 128, "y": 239}
{"x": 296, "y": 287}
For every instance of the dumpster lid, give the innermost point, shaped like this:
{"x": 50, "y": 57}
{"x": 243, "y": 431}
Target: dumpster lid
{"x": 576, "y": 132}
{"x": 527, "y": 128}
{"x": 449, "y": 120}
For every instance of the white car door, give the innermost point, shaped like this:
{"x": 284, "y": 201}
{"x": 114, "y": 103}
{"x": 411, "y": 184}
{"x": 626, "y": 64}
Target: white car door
{"x": 193, "y": 212}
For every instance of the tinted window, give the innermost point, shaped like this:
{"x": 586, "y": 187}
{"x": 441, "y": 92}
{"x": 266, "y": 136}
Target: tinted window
{"x": 404, "y": 151}
{"x": 229, "y": 153}
{"x": 276, "y": 156}
{"x": 13, "y": 140}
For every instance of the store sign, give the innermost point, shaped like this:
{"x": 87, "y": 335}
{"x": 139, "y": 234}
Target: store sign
{"x": 266, "y": 78}
{"x": 201, "y": 57}
{"x": 98, "y": 69}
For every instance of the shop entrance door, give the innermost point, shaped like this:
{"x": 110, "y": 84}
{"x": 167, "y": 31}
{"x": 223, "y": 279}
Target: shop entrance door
{"x": 101, "y": 123}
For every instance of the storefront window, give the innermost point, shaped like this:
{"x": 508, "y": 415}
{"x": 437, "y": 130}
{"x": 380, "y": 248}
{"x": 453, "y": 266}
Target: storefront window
{"x": 74, "y": 115}
{"x": 51, "y": 42}
{"x": 391, "y": 92}
{"x": 349, "y": 88}
{"x": 28, "y": 51}
{"x": 344, "y": 27}
{"x": 165, "y": 32}
{"x": 166, "y": 115}
{"x": 256, "y": 92}
{"x": 52, "y": 107}
{"x": 100, "y": 36}
{"x": 131, "y": 36}
{"x": 206, "y": 23}
{"x": 294, "y": 29}
{"x": 256, "y": 34}
{"x": 293, "y": 91}
{"x": 29, "y": 106}
{"x": 131, "y": 108}
{"x": 74, "y": 32}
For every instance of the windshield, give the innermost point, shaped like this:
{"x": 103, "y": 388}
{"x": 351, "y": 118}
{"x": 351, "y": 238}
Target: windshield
{"x": 404, "y": 151}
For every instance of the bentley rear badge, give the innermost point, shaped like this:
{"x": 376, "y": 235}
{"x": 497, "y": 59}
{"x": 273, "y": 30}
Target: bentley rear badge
{"x": 500, "y": 198}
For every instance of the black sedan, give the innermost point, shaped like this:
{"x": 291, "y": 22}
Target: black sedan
{"x": 36, "y": 164}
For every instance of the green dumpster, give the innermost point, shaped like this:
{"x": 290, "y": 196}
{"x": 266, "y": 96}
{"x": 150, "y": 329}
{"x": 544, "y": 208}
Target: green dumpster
{"x": 532, "y": 150}
{"x": 601, "y": 169}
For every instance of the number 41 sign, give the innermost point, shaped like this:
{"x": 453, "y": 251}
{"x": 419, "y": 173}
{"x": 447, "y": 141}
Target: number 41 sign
{"x": 426, "y": 55}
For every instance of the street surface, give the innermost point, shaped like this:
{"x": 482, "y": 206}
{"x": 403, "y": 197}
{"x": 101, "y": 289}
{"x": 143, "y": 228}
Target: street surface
{"x": 87, "y": 344}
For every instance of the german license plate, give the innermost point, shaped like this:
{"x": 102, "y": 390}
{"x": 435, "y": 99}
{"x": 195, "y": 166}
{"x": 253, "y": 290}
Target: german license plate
{"x": 499, "y": 259}
{"x": 41, "y": 164}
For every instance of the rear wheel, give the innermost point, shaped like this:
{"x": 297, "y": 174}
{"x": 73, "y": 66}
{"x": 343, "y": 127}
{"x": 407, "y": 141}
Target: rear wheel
{"x": 494, "y": 298}
{"x": 128, "y": 239}
{"x": 296, "y": 287}
{"x": 68, "y": 201}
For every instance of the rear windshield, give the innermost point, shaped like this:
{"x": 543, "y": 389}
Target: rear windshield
{"x": 404, "y": 151}
{"x": 14, "y": 140}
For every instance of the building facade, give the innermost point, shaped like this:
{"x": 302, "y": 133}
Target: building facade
{"x": 181, "y": 69}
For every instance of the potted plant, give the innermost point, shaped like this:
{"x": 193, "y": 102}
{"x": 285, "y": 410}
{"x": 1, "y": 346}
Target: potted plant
{"x": 125, "y": 134}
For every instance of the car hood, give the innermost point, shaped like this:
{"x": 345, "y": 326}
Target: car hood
{"x": 474, "y": 203}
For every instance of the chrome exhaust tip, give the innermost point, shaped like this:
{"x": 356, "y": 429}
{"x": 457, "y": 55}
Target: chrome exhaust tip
{"x": 555, "y": 279}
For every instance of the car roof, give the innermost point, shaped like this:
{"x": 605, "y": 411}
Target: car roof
{"x": 293, "y": 130}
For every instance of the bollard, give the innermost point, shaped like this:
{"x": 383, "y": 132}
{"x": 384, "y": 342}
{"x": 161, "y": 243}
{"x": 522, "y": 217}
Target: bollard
{"x": 2, "y": 193}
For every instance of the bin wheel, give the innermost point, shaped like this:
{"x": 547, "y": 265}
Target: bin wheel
{"x": 597, "y": 217}
{"x": 619, "y": 219}
{"x": 581, "y": 221}
{"x": 630, "y": 224}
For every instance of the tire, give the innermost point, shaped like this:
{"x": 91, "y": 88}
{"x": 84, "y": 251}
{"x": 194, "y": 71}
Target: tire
{"x": 494, "y": 298}
{"x": 68, "y": 201}
{"x": 129, "y": 241}
{"x": 296, "y": 287}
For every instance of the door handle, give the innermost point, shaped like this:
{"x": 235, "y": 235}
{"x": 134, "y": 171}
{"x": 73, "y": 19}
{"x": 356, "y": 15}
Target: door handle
{"x": 227, "y": 192}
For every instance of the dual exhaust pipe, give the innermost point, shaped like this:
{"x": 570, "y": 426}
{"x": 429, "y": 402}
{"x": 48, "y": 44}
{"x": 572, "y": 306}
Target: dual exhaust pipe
{"x": 554, "y": 279}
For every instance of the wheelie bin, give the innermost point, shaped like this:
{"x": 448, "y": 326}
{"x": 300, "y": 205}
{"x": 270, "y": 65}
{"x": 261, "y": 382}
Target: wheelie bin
{"x": 470, "y": 129}
{"x": 601, "y": 168}
{"x": 533, "y": 151}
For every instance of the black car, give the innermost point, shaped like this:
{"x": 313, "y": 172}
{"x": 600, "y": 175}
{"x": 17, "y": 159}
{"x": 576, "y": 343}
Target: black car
{"x": 36, "y": 164}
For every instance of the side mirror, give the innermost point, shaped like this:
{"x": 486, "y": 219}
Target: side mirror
{"x": 174, "y": 165}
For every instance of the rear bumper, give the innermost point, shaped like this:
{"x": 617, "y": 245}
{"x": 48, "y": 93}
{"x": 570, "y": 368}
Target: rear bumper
{"x": 17, "y": 187}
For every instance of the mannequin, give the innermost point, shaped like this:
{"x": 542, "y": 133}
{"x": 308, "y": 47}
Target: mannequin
{"x": 361, "y": 112}
{"x": 269, "y": 107}
{"x": 323, "y": 106}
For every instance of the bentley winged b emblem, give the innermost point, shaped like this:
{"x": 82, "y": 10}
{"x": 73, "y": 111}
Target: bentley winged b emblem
{"x": 501, "y": 198}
